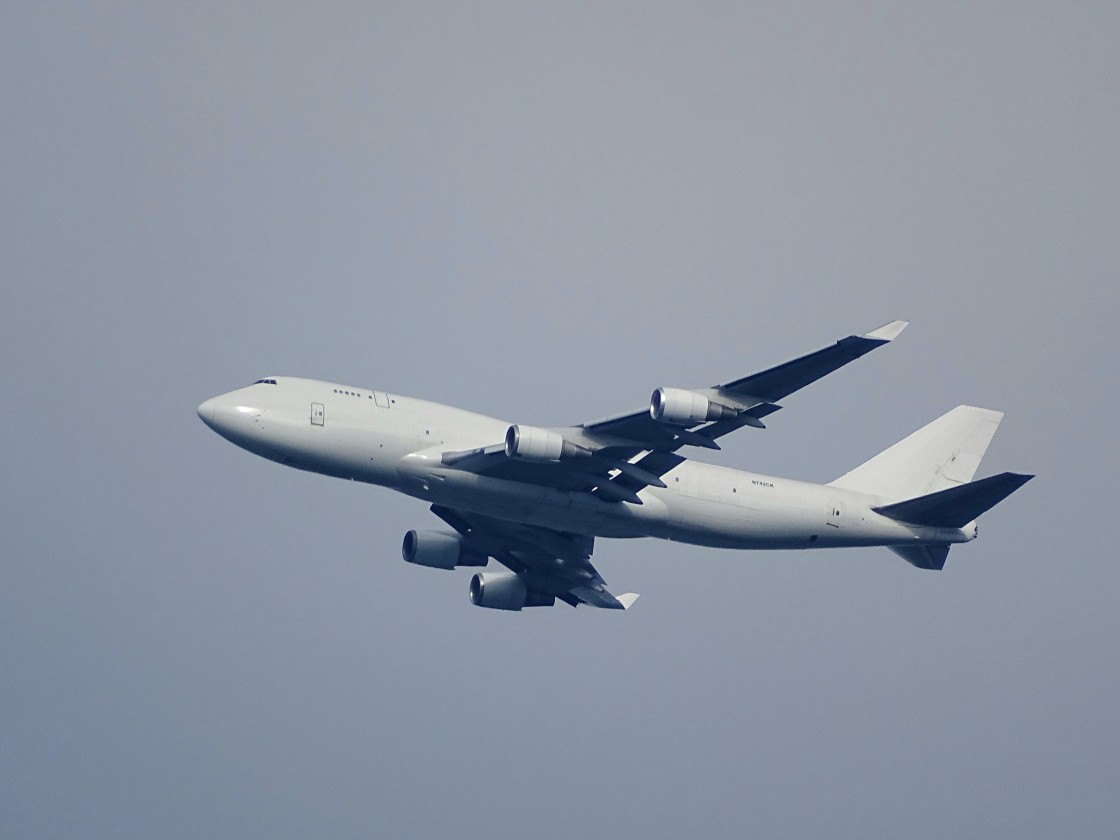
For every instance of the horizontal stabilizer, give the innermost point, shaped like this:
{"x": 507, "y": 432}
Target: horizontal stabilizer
{"x": 930, "y": 557}
{"x": 957, "y": 506}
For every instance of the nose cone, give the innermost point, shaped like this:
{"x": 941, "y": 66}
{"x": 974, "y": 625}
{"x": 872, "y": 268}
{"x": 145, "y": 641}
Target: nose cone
{"x": 229, "y": 416}
{"x": 206, "y": 412}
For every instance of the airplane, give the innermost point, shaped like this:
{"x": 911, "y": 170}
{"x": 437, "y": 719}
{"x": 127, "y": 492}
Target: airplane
{"x": 535, "y": 499}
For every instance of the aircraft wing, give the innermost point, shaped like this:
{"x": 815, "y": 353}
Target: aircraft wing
{"x": 621, "y": 455}
{"x": 753, "y": 396}
{"x": 552, "y": 562}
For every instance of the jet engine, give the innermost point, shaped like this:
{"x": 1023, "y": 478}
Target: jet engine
{"x": 439, "y": 550}
{"x": 506, "y": 591}
{"x": 683, "y": 408}
{"x": 536, "y": 444}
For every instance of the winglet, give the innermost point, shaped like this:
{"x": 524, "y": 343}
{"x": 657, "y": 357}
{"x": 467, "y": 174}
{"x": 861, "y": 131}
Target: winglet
{"x": 888, "y": 332}
{"x": 601, "y": 598}
{"x": 627, "y": 600}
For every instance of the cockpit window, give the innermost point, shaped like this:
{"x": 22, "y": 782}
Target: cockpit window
{"x": 265, "y": 382}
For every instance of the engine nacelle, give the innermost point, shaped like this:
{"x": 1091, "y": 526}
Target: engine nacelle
{"x": 506, "y": 591}
{"x": 536, "y": 444}
{"x": 683, "y": 408}
{"x": 439, "y": 550}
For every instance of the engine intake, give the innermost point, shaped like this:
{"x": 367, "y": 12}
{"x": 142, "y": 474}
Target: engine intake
{"x": 684, "y": 408}
{"x": 439, "y": 550}
{"x": 506, "y": 591}
{"x": 536, "y": 444}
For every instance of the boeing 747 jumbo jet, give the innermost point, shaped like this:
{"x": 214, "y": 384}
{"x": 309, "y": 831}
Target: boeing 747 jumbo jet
{"x": 535, "y": 498}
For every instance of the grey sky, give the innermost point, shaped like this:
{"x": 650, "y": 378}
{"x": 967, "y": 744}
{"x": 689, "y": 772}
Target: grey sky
{"x": 544, "y": 213}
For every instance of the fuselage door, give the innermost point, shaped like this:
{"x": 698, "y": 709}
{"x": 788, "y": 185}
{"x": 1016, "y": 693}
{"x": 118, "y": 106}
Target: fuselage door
{"x": 381, "y": 398}
{"x": 318, "y": 414}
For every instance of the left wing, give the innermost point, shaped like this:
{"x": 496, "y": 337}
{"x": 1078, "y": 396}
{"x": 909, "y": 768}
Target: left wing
{"x": 550, "y": 563}
{"x": 616, "y": 458}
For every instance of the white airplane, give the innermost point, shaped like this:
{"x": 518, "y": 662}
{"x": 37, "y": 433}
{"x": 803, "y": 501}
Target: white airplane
{"x": 535, "y": 498}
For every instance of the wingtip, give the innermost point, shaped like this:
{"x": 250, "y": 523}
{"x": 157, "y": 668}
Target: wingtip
{"x": 627, "y": 600}
{"x": 888, "y": 332}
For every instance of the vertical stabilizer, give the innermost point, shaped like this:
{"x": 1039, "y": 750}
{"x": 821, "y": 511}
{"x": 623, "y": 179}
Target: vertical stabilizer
{"x": 943, "y": 454}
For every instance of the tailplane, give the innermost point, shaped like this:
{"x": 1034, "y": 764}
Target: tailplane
{"x": 926, "y": 479}
{"x": 957, "y": 506}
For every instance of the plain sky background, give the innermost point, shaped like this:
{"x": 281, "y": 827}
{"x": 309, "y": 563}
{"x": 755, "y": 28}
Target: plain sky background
{"x": 543, "y": 212}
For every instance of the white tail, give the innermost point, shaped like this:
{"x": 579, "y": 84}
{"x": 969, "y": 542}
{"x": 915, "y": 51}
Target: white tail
{"x": 943, "y": 454}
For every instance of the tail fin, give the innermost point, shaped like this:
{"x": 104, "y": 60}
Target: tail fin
{"x": 952, "y": 508}
{"x": 943, "y": 454}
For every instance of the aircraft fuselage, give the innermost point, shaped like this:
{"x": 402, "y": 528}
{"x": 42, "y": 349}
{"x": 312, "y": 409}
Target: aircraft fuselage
{"x": 398, "y": 442}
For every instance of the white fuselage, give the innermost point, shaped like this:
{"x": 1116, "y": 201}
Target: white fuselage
{"x": 398, "y": 442}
